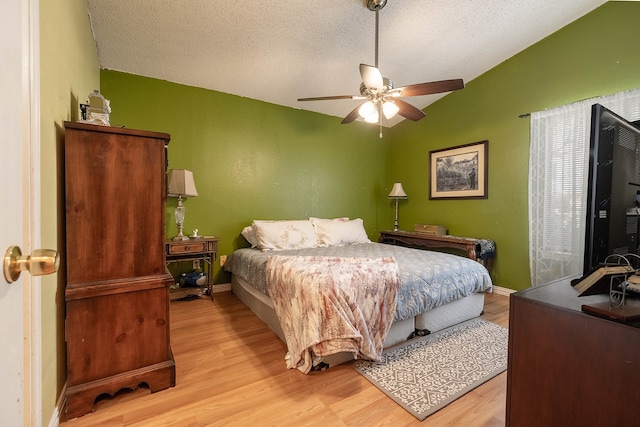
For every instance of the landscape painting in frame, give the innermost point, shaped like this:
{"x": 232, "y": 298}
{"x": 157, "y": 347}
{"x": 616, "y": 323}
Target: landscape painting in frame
{"x": 459, "y": 172}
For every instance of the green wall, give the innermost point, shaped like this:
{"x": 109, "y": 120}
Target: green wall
{"x": 595, "y": 55}
{"x": 254, "y": 160}
{"x": 69, "y": 71}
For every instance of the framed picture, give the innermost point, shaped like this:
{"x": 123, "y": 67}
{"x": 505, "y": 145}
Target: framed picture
{"x": 459, "y": 172}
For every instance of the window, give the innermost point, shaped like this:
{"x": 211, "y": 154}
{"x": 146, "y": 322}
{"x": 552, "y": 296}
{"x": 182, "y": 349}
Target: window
{"x": 558, "y": 168}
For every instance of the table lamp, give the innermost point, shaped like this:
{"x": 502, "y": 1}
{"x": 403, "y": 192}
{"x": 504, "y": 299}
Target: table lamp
{"x": 181, "y": 185}
{"x": 397, "y": 192}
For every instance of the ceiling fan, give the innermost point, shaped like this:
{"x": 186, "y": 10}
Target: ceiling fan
{"x": 380, "y": 96}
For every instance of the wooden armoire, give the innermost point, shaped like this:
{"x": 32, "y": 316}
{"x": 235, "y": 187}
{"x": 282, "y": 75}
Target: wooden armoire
{"x": 117, "y": 290}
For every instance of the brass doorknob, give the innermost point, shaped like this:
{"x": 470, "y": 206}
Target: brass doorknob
{"x": 40, "y": 262}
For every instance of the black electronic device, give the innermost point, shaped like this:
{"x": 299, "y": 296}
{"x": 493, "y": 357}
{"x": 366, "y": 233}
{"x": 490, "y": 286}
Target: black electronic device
{"x": 613, "y": 196}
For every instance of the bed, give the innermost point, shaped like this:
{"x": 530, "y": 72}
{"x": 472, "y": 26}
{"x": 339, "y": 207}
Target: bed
{"x": 434, "y": 290}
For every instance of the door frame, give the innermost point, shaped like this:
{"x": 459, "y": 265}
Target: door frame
{"x": 32, "y": 295}
{"x": 21, "y": 307}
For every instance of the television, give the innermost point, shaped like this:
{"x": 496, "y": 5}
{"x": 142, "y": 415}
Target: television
{"x": 613, "y": 188}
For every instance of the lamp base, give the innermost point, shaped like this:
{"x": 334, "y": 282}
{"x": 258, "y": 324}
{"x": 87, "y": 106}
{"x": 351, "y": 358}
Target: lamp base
{"x": 179, "y": 237}
{"x": 395, "y": 223}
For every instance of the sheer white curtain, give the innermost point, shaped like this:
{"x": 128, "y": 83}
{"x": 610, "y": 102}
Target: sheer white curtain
{"x": 558, "y": 172}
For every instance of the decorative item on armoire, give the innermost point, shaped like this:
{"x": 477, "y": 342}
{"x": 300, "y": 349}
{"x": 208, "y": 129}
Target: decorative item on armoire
{"x": 397, "y": 192}
{"x": 97, "y": 110}
{"x": 181, "y": 184}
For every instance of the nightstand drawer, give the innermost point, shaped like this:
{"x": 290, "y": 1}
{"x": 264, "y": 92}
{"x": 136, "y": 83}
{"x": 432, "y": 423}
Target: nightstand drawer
{"x": 187, "y": 247}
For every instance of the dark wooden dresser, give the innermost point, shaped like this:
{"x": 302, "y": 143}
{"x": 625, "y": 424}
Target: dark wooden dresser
{"x": 117, "y": 291}
{"x": 569, "y": 368}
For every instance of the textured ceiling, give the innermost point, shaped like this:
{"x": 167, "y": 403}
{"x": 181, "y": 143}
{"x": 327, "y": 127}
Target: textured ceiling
{"x": 279, "y": 51}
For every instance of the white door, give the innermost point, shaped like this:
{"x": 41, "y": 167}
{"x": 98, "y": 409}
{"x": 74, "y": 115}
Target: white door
{"x": 15, "y": 128}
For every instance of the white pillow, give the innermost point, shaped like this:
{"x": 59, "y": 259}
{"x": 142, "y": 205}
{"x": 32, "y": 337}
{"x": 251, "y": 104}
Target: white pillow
{"x": 283, "y": 235}
{"x": 340, "y": 233}
{"x": 250, "y": 236}
{"x": 342, "y": 218}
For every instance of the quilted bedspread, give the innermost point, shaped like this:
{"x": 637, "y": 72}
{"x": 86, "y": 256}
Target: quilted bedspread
{"x": 328, "y": 305}
{"x": 428, "y": 279}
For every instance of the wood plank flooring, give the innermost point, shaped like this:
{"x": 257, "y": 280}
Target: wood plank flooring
{"x": 230, "y": 371}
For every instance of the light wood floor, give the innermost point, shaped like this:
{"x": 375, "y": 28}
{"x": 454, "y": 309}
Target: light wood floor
{"x": 230, "y": 371}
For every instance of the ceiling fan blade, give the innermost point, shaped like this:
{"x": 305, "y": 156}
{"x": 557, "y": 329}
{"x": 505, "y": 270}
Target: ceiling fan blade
{"x": 408, "y": 111}
{"x": 371, "y": 77}
{"x": 326, "y": 98}
{"x": 351, "y": 116}
{"x": 430, "y": 88}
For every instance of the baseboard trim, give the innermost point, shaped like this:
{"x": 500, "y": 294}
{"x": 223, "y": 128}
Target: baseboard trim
{"x": 503, "y": 291}
{"x": 55, "y": 417}
{"x": 221, "y": 287}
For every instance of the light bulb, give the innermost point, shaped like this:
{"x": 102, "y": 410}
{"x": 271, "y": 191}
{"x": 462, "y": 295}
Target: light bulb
{"x": 372, "y": 117}
{"x": 367, "y": 109}
{"x": 390, "y": 109}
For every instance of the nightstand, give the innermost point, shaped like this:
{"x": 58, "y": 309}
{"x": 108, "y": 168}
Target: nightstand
{"x": 202, "y": 249}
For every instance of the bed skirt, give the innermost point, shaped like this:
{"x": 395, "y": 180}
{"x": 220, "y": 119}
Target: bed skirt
{"x": 434, "y": 320}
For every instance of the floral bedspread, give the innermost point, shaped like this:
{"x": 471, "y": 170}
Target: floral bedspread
{"x": 428, "y": 279}
{"x": 328, "y": 305}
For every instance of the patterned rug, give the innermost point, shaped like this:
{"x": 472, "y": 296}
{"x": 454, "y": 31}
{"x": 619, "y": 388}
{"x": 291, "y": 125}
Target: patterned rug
{"x": 427, "y": 373}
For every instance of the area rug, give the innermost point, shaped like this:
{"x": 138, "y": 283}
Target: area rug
{"x": 427, "y": 373}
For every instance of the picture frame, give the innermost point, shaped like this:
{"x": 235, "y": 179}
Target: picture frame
{"x": 459, "y": 172}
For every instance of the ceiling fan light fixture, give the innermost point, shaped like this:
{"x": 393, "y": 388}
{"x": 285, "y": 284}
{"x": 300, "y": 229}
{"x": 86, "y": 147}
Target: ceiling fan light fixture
{"x": 373, "y": 117}
{"x": 368, "y": 112}
{"x": 390, "y": 109}
{"x": 379, "y": 94}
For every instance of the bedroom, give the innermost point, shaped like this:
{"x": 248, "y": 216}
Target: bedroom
{"x": 332, "y": 171}
{"x": 233, "y": 145}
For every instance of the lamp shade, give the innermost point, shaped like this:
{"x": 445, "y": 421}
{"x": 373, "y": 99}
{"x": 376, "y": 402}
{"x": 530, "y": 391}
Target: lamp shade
{"x": 181, "y": 183}
{"x": 397, "y": 192}
{"x": 390, "y": 109}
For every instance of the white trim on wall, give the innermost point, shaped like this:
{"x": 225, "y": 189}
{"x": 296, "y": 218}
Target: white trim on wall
{"x": 33, "y": 295}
